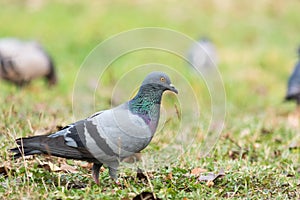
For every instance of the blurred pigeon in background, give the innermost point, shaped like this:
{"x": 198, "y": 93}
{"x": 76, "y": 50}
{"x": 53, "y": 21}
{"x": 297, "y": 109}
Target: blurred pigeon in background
{"x": 293, "y": 90}
{"x": 202, "y": 54}
{"x": 108, "y": 136}
{"x": 22, "y": 61}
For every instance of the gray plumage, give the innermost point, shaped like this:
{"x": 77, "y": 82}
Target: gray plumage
{"x": 293, "y": 90}
{"x": 108, "y": 136}
{"x": 203, "y": 54}
{"x": 22, "y": 61}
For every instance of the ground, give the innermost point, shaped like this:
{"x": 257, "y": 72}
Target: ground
{"x": 258, "y": 148}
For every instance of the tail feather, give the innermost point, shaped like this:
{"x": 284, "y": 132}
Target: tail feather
{"x": 51, "y": 76}
{"x": 54, "y": 146}
{"x": 295, "y": 97}
{"x": 25, "y": 151}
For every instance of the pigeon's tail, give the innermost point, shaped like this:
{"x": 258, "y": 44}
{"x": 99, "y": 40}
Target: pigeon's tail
{"x": 295, "y": 97}
{"x": 49, "y": 145}
{"x": 288, "y": 98}
{"x": 51, "y": 76}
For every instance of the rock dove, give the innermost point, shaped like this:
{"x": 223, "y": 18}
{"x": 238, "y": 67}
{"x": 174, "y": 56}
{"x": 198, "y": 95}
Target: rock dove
{"x": 107, "y": 136}
{"x": 22, "y": 61}
{"x": 293, "y": 90}
{"x": 203, "y": 54}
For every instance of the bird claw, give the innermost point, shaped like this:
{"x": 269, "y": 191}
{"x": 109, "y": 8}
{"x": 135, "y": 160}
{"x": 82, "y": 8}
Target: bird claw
{"x": 96, "y": 178}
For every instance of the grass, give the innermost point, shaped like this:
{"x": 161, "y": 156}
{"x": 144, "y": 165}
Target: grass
{"x": 256, "y": 42}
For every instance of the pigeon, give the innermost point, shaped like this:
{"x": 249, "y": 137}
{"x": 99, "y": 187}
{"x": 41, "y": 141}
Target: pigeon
{"x": 109, "y": 136}
{"x": 293, "y": 89}
{"x": 203, "y": 54}
{"x": 21, "y": 61}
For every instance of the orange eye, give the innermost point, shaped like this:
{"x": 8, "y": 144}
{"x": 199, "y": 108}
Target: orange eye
{"x": 162, "y": 79}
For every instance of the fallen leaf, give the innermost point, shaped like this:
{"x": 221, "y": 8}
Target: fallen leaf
{"x": 198, "y": 171}
{"x": 169, "y": 176}
{"x": 68, "y": 168}
{"x": 43, "y": 164}
{"x": 146, "y": 196}
{"x": 211, "y": 176}
{"x": 51, "y": 167}
{"x": 83, "y": 164}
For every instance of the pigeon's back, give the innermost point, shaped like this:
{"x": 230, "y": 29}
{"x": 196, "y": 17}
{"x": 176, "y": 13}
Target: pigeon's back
{"x": 9, "y": 47}
{"x": 22, "y": 61}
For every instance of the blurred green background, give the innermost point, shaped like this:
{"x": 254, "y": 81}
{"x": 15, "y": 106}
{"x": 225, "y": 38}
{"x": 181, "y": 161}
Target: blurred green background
{"x": 256, "y": 41}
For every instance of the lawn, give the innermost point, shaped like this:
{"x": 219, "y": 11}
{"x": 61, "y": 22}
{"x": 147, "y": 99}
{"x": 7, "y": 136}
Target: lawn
{"x": 258, "y": 148}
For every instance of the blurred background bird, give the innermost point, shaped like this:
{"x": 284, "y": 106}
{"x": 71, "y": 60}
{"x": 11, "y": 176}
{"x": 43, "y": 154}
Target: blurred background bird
{"x": 293, "y": 90}
{"x": 22, "y": 61}
{"x": 202, "y": 54}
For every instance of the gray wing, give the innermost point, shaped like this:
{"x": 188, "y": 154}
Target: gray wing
{"x": 109, "y": 135}
{"x": 115, "y": 134}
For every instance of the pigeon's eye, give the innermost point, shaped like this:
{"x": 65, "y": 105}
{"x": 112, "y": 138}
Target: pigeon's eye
{"x": 162, "y": 79}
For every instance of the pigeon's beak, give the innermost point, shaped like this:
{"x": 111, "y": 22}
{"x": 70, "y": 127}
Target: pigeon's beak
{"x": 173, "y": 89}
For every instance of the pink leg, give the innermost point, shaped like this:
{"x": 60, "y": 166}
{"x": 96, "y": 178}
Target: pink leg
{"x": 95, "y": 172}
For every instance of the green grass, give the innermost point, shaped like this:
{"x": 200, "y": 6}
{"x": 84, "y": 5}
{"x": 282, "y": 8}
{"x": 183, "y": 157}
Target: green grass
{"x": 256, "y": 42}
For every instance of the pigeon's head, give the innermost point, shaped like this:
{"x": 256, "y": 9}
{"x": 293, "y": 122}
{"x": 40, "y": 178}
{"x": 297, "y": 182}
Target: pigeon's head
{"x": 160, "y": 80}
